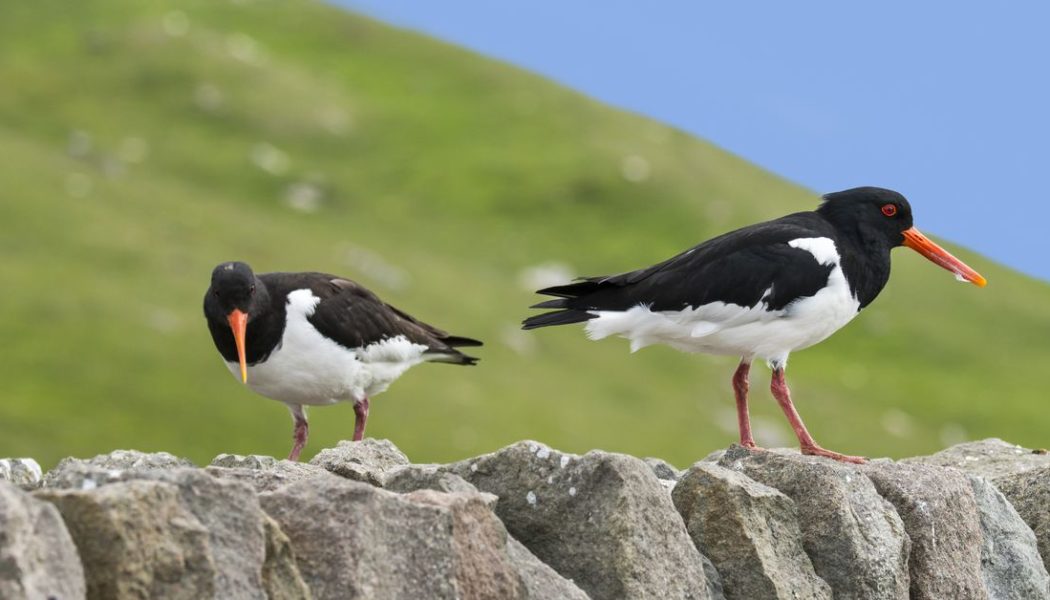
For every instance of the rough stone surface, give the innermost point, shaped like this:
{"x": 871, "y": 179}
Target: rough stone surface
{"x": 142, "y": 534}
{"x": 662, "y": 469}
{"x": 353, "y": 540}
{"x": 73, "y": 473}
{"x": 22, "y": 472}
{"x": 410, "y": 478}
{"x": 1029, "y": 492}
{"x": 37, "y": 556}
{"x": 280, "y": 573}
{"x": 137, "y": 541}
{"x": 602, "y": 520}
{"x": 240, "y": 461}
{"x": 750, "y": 532}
{"x": 365, "y": 461}
{"x": 940, "y": 516}
{"x": 854, "y": 537}
{"x": 990, "y": 458}
{"x": 1011, "y": 566}
{"x": 264, "y": 475}
{"x": 541, "y": 582}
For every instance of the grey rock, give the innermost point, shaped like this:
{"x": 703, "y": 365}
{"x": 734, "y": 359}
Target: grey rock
{"x": 38, "y": 558}
{"x": 1029, "y": 493}
{"x": 162, "y": 533}
{"x": 602, "y": 520}
{"x": 541, "y": 582}
{"x": 22, "y": 472}
{"x": 240, "y": 461}
{"x": 854, "y": 537}
{"x": 280, "y": 573}
{"x": 137, "y": 540}
{"x": 991, "y": 458}
{"x": 714, "y": 579}
{"x": 74, "y": 473}
{"x": 663, "y": 469}
{"x": 411, "y": 478}
{"x": 940, "y": 515}
{"x": 353, "y": 540}
{"x": 1011, "y": 566}
{"x": 365, "y": 461}
{"x": 750, "y": 532}
{"x": 262, "y": 475}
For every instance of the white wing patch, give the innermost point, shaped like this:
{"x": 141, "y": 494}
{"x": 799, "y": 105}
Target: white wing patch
{"x": 822, "y": 249}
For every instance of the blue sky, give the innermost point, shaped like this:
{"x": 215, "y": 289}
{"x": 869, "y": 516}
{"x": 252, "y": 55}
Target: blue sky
{"x": 947, "y": 102}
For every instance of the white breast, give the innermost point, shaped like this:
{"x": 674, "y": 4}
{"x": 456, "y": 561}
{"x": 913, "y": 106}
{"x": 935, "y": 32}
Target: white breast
{"x": 309, "y": 368}
{"x": 720, "y": 328}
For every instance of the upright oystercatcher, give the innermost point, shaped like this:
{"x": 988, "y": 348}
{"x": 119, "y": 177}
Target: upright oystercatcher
{"x": 761, "y": 291}
{"x": 316, "y": 339}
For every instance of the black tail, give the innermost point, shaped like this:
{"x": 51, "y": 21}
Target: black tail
{"x": 450, "y": 356}
{"x": 561, "y": 317}
{"x": 456, "y": 341}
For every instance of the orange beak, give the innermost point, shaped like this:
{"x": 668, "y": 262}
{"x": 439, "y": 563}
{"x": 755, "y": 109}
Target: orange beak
{"x": 941, "y": 257}
{"x": 239, "y": 324}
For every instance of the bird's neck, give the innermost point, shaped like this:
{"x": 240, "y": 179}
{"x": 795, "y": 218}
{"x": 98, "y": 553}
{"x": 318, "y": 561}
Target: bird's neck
{"x": 866, "y": 264}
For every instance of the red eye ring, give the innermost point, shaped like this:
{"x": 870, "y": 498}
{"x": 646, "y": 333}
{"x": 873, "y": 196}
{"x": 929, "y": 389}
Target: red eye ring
{"x": 889, "y": 210}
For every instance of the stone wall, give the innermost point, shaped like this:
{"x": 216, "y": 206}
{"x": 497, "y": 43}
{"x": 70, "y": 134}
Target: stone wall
{"x": 528, "y": 522}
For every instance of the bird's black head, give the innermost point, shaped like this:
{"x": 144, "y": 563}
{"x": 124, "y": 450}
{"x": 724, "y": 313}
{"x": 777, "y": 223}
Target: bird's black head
{"x": 235, "y": 296}
{"x": 870, "y": 215}
{"x": 233, "y": 286}
{"x": 877, "y": 219}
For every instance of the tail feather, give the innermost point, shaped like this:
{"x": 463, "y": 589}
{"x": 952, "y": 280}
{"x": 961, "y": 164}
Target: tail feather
{"x": 561, "y": 317}
{"x": 456, "y": 341}
{"x": 452, "y": 357}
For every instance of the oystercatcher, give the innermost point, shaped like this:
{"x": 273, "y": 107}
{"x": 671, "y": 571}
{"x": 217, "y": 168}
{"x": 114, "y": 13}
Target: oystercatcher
{"x": 316, "y": 339}
{"x": 760, "y": 291}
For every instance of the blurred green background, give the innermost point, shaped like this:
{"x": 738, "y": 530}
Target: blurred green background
{"x": 144, "y": 142}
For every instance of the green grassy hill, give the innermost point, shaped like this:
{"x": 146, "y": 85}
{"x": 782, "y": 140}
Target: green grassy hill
{"x": 142, "y": 144}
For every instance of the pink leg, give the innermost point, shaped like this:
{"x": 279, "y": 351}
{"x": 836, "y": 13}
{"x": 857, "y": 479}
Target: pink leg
{"x": 808, "y": 445}
{"x": 301, "y": 432}
{"x": 740, "y": 389}
{"x": 360, "y": 418}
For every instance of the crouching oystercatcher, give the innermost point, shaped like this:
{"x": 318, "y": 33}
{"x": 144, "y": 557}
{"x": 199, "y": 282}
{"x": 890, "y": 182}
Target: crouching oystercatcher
{"x": 761, "y": 291}
{"x": 316, "y": 339}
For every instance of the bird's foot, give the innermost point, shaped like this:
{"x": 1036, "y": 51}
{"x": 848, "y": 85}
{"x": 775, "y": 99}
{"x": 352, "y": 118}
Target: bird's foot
{"x": 750, "y": 445}
{"x": 818, "y": 451}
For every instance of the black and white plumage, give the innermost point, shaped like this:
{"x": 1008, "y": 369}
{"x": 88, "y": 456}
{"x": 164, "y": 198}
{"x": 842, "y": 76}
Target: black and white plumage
{"x": 762, "y": 291}
{"x": 317, "y": 339}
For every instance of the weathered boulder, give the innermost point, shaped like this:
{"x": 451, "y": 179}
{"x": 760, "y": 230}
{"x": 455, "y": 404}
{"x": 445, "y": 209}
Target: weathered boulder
{"x": 663, "y": 470}
{"x": 410, "y": 478}
{"x": 1011, "y": 565}
{"x": 603, "y": 520}
{"x": 940, "y": 516}
{"x": 137, "y": 541}
{"x": 22, "y": 472}
{"x": 353, "y": 540}
{"x": 264, "y": 473}
{"x": 178, "y": 533}
{"x": 73, "y": 473}
{"x": 280, "y": 573}
{"x": 854, "y": 537}
{"x": 541, "y": 582}
{"x": 1029, "y": 492}
{"x": 750, "y": 532}
{"x": 37, "y": 556}
{"x": 990, "y": 458}
{"x": 365, "y": 461}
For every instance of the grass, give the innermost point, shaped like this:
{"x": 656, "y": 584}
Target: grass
{"x": 143, "y": 143}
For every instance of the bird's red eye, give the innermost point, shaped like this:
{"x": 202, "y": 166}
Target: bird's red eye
{"x": 889, "y": 209}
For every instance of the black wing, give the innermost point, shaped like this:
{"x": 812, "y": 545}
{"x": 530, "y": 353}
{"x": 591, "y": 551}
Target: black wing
{"x": 354, "y": 317}
{"x": 742, "y": 267}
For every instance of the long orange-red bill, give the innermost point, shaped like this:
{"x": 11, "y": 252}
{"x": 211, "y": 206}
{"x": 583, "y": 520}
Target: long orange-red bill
{"x": 239, "y": 323}
{"x": 925, "y": 246}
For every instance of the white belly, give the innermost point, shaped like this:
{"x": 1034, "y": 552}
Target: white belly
{"x": 308, "y": 368}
